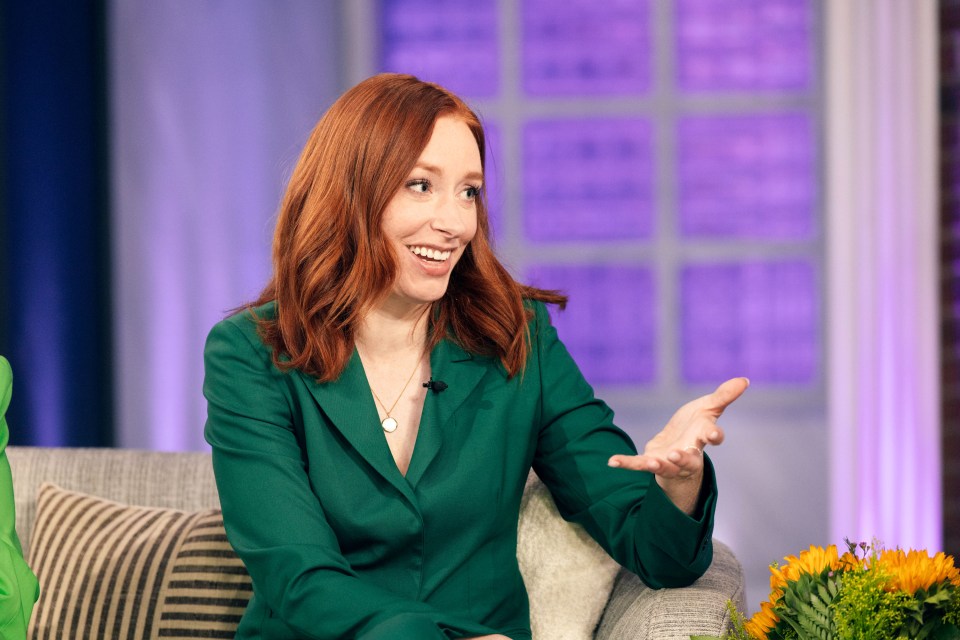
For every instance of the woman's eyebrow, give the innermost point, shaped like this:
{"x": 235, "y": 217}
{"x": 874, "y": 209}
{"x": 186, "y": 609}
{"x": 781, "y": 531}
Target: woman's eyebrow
{"x": 473, "y": 175}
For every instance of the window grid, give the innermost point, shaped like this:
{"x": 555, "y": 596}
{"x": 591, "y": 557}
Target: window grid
{"x": 667, "y": 101}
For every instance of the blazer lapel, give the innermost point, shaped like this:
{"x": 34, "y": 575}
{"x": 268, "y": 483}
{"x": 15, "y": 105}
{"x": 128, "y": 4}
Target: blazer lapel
{"x": 348, "y": 404}
{"x": 462, "y": 372}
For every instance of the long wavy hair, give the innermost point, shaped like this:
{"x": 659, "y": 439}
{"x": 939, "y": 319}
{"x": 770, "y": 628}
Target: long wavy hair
{"x": 331, "y": 261}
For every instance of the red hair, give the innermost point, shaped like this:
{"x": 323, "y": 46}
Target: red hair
{"x": 331, "y": 262}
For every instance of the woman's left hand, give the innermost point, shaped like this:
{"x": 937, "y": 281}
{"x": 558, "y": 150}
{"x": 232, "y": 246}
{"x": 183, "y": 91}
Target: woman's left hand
{"x": 675, "y": 455}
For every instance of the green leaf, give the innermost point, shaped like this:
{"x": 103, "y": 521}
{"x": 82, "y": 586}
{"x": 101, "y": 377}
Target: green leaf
{"x": 938, "y": 597}
{"x": 834, "y": 588}
{"x": 947, "y": 632}
{"x": 826, "y": 594}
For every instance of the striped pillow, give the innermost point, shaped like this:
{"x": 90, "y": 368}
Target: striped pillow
{"x": 109, "y": 570}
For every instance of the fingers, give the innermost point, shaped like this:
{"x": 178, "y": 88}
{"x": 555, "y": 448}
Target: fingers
{"x": 727, "y": 392}
{"x": 703, "y": 434}
{"x": 677, "y": 451}
{"x": 713, "y": 437}
{"x": 636, "y": 463}
{"x": 677, "y": 463}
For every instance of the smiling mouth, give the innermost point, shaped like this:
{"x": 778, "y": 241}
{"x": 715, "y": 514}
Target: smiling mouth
{"x": 433, "y": 255}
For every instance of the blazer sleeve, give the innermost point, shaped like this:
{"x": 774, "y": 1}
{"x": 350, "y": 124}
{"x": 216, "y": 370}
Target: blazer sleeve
{"x": 625, "y": 511}
{"x": 274, "y": 520}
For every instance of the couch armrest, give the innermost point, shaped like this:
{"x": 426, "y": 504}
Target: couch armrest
{"x": 639, "y": 613}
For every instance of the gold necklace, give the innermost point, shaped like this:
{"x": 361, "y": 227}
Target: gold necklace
{"x": 390, "y": 423}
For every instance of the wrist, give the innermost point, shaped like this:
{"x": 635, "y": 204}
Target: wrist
{"x": 683, "y": 492}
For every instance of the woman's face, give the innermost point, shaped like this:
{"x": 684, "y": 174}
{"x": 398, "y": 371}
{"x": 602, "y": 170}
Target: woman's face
{"x": 433, "y": 216}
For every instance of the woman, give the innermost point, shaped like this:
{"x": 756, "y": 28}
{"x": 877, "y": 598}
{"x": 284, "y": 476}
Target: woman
{"x": 18, "y": 585}
{"x": 374, "y": 415}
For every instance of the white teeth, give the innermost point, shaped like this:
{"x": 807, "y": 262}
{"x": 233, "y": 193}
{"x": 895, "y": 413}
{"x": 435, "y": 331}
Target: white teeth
{"x": 431, "y": 254}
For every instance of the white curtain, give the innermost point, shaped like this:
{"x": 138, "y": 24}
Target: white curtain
{"x": 211, "y": 102}
{"x": 882, "y": 220}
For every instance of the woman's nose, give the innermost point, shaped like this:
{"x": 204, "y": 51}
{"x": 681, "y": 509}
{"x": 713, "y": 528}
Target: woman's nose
{"x": 449, "y": 216}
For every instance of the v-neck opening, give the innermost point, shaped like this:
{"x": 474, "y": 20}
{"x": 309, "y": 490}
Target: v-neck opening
{"x": 383, "y": 433}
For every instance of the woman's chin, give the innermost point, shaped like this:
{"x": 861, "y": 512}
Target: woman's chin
{"x": 418, "y": 296}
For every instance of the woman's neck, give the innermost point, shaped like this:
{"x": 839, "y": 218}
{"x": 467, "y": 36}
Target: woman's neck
{"x": 387, "y": 333}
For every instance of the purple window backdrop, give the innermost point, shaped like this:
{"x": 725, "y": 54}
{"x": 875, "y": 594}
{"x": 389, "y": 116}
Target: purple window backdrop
{"x": 493, "y": 178}
{"x": 747, "y": 176}
{"x": 758, "y": 319}
{"x": 586, "y": 47}
{"x": 587, "y": 180}
{"x": 453, "y": 43}
{"x": 744, "y": 45}
{"x": 610, "y": 324}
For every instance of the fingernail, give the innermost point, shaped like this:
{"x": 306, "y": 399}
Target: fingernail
{"x": 748, "y": 380}
{"x": 613, "y": 463}
{"x": 674, "y": 456}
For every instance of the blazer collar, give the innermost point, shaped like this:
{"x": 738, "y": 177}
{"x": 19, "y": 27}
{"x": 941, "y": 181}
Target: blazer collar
{"x": 461, "y": 371}
{"x": 349, "y": 405}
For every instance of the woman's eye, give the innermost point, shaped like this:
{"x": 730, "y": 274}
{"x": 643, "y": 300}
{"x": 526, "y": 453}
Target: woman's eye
{"x": 419, "y": 186}
{"x": 471, "y": 193}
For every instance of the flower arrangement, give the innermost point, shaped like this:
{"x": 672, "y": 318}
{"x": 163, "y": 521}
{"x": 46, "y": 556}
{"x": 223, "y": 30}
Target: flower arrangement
{"x": 868, "y": 593}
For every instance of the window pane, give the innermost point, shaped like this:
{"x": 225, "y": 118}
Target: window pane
{"x": 744, "y": 45}
{"x": 586, "y": 47}
{"x": 587, "y": 180}
{"x": 754, "y": 319}
{"x": 452, "y": 43}
{"x": 609, "y": 326}
{"x": 747, "y": 176}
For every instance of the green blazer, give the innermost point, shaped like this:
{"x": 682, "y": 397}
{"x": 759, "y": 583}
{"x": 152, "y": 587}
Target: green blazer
{"x": 18, "y": 585}
{"x": 341, "y": 545}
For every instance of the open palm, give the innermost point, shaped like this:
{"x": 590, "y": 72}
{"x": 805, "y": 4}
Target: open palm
{"x": 675, "y": 454}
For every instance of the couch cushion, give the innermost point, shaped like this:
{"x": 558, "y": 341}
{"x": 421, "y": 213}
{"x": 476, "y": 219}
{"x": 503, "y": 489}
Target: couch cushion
{"x": 110, "y": 570}
{"x": 181, "y": 480}
{"x": 568, "y": 576}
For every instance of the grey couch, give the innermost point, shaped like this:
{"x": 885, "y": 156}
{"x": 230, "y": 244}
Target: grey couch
{"x": 575, "y": 590}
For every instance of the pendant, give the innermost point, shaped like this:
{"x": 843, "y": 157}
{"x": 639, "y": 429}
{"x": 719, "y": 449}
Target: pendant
{"x": 389, "y": 424}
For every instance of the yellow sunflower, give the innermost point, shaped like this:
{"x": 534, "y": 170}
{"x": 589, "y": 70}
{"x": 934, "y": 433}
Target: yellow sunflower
{"x": 915, "y": 570}
{"x": 849, "y": 562}
{"x": 812, "y": 561}
{"x": 778, "y": 582}
{"x": 762, "y": 622}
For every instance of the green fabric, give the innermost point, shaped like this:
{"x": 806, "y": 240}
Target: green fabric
{"x": 341, "y": 545}
{"x": 18, "y": 585}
